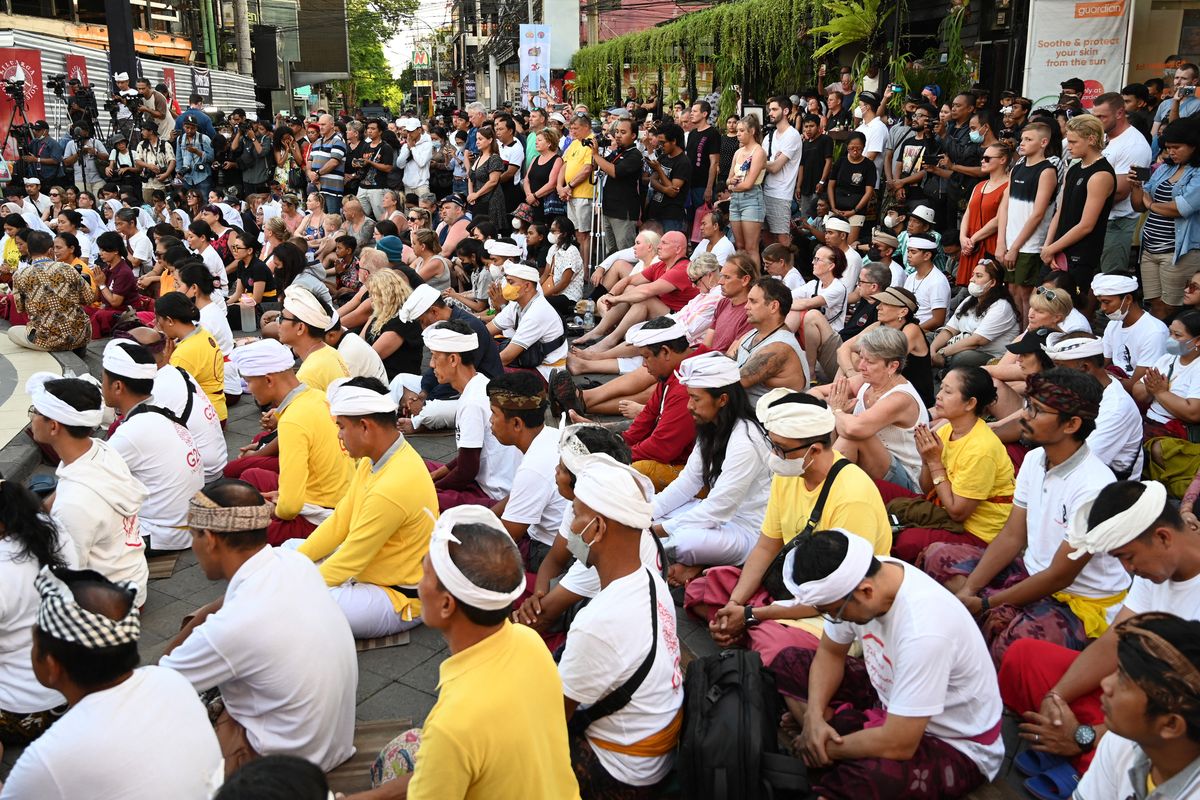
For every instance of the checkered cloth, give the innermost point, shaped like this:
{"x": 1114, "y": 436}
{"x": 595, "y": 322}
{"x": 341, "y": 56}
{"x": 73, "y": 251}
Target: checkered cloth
{"x": 61, "y": 617}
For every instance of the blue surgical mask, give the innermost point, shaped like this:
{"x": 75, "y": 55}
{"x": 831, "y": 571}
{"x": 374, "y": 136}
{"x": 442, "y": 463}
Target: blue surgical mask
{"x": 976, "y": 137}
{"x": 577, "y": 547}
{"x": 1178, "y": 348}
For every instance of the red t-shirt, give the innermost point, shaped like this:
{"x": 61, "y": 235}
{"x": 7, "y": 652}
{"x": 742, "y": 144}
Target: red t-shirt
{"x": 729, "y": 323}
{"x": 121, "y": 281}
{"x": 678, "y": 277}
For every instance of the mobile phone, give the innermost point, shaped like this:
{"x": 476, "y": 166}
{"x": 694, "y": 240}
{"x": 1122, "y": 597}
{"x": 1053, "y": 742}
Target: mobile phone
{"x": 897, "y": 88}
{"x": 649, "y": 118}
{"x": 1187, "y": 91}
{"x": 1141, "y": 173}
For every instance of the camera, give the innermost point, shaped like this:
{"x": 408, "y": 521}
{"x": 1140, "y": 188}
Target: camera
{"x": 1187, "y": 91}
{"x": 15, "y": 90}
{"x": 57, "y": 83}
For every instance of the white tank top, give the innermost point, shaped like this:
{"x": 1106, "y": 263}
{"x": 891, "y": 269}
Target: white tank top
{"x": 900, "y": 442}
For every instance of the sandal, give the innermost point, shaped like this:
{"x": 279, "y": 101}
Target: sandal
{"x": 1056, "y": 783}
{"x": 1035, "y": 762}
{"x": 565, "y": 394}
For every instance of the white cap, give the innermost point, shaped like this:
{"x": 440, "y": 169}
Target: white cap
{"x": 409, "y": 124}
{"x": 557, "y": 117}
{"x": 32, "y": 180}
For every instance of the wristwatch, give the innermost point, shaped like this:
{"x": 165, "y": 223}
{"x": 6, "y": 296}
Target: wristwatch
{"x": 750, "y": 619}
{"x": 939, "y": 480}
{"x": 1085, "y": 737}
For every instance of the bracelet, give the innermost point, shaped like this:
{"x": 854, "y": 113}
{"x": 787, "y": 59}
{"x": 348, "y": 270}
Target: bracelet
{"x": 984, "y": 603}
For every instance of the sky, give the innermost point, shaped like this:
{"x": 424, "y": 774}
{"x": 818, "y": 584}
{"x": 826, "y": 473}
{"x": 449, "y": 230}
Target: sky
{"x": 399, "y": 48}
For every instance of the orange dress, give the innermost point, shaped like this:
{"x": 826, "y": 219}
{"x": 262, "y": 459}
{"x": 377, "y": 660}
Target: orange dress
{"x": 981, "y": 209}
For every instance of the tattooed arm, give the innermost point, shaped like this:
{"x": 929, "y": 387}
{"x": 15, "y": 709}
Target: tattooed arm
{"x": 767, "y": 363}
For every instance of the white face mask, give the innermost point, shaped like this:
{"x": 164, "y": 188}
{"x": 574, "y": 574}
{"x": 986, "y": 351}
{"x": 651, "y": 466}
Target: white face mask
{"x": 516, "y": 224}
{"x": 889, "y": 221}
{"x": 975, "y": 290}
{"x": 1119, "y": 314}
{"x": 577, "y": 547}
{"x": 788, "y": 467}
{"x": 497, "y": 271}
{"x": 552, "y": 237}
{"x": 858, "y": 112}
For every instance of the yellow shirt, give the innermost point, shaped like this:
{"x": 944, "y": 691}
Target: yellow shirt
{"x": 322, "y": 367}
{"x": 313, "y": 467}
{"x": 199, "y": 355}
{"x": 575, "y": 161}
{"x": 497, "y": 731}
{"x": 853, "y": 503}
{"x": 979, "y": 467}
{"x": 379, "y": 532}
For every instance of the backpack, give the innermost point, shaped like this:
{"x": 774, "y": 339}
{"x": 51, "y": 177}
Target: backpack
{"x": 727, "y": 746}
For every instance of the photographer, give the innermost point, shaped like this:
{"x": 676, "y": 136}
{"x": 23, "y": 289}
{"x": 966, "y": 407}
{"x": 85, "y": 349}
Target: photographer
{"x": 156, "y": 160}
{"x": 43, "y": 156}
{"x": 85, "y": 158}
{"x": 155, "y": 108}
{"x": 194, "y": 158}
{"x": 122, "y": 168}
{"x": 120, "y": 104}
{"x": 623, "y": 166}
{"x": 669, "y": 175}
{"x": 252, "y": 144}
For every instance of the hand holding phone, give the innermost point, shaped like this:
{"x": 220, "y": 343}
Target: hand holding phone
{"x": 1140, "y": 174}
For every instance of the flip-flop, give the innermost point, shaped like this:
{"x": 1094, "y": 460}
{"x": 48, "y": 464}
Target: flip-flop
{"x": 1056, "y": 783}
{"x": 565, "y": 393}
{"x": 1034, "y": 762}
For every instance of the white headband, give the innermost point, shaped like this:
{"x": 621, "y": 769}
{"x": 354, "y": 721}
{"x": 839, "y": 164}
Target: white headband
{"x": 1072, "y": 349}
{"x": 710, "y": 370}
{"x": 614, "y": 490}
{"x": 1119, "y": 529}
{"x": 355, "y": 401}
{"x": 521, "y": 272}
{"x": 793, "y": 420}
{"x": 440, "y": 339}
{"x": 570, "y": 449}
{"x": 418, "y": 303}
{"x": 1111, "y": 285}
{"x": 838, "y": 584}
{"x": 448, "y": 572}
{"x": 835, "y": 224}
{"x": 921, "y": 243}
{"x": 264, "y": 357}
{"x": 64, "y": 413}
{"x": 638, "y": 336}
{"x": 501, "y": 249}
{"x": 116, "y": 359}
{"x": 306, "y": 307}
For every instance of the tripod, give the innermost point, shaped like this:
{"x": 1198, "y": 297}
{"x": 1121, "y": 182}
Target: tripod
{"x": 20, "y": 134}
{"x": 598, "y": 251}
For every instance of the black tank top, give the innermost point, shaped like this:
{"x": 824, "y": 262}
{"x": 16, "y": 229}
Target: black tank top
{"x": 918, "y": 370}
{"x": 539, "y": 173}
{"x": 1074, "y": 198}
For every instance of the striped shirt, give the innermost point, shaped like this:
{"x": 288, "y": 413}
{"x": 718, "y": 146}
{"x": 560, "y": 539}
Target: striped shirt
{"x": 332, "y": 182}
{"x": 1158, "y": 234}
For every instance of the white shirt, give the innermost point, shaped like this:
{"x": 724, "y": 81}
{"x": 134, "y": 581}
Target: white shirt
{"x": 876, "y": 132}
{"x": 607, "y": 642}
{"x": 854, "y": 263}
{"x": 782, "y": 184}
{"x": 473, "y": 429}
{"x": 202, "y": 423}
{"x": 139, "y": 247}
{"x": 563, "y": 259}
{"x": 361, "y": 358}
{"x": 932, "y": 292}
{"x": 282, "y": 653}
{"x": 1076, "y": 322}
{"x": 537, "y": 322}
{"x": 1117, "y": 439}
{"x": 513, "y": 155}
{"x": 216, "y": 268}
{"x": 585, "y": 581}
{"x": 147, "y": 738}
{"x": 1183, "y": 381}
{"x": 534, "y": 499}
{"x": 1130, "y": 149}
{"x": 20, "y": 691}
{"x": 1119, "y": 770}
{"x": 1050, "y": 499}
{"x": 1181, "y": 598}
{"x": 96, "y": 504}
{"x": 415, "y": 161}
{"x": 161, "y": 454}
{"x": 739, "y": 495}
{"x": 722, "y": 250}
{"x": 835, "y": 300}
{"x": 942, "y": 671}
{"x": 999, "y": 325}
{"x": 1142, "y": 344}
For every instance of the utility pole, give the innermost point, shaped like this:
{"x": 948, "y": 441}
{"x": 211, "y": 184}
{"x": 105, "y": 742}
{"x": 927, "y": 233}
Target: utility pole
{"x": 241, "y": 22}
{"x": 593, "y": 22}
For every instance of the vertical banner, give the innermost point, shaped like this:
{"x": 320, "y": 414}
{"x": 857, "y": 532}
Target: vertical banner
{"x": 173, "y": 97}
{"x": 1069, "y": 39}
{"x": 20, "y": 64}
{"x": 77, "y": 70}
{"x": 533, "y": 51}
{"x": 202, "y": 84}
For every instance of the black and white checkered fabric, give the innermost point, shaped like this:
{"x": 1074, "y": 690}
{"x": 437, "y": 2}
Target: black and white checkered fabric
{"x": 61, "y": 617}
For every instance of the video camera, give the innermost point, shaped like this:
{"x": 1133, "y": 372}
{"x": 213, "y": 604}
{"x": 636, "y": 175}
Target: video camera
{"x": 57, "y": 83}
{"x": 15, "y": 90}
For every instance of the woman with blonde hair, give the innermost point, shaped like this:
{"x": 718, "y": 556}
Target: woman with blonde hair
{"x": 429, "y": 263}
{"x": 397, "y": 343}
{"x": 747, "y": 208}
{"x": 275, "y": 233}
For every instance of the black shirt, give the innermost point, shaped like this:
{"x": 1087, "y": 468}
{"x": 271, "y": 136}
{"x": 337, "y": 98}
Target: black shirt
{"x": 663, "y": 206}
{"x": 914, "y": 155}
{"x": 372, "y": 177}
{"x": 252, "y": 273}
{"x": 859, "y": 316}
{"x": 853, "y": 180}
{"x": 406, "y": 357}
{"x": 701, "y": 145}
{"x": 621, "y": 199}
{"x": 812, "y": 158}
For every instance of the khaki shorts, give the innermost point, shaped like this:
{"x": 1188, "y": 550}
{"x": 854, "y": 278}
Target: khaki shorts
{"x": 1026, "y": 270}
{"x": 1164, "y": 277}
{"x": 579, "y": 211}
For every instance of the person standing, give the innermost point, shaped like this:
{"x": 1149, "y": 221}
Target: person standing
{"x": 816, "y": 161}
{"x": 1024, "y": 214}
{"x": 669, "y": 176}
{"x": 1126, "y": 148}
{"x": 783, "y": 145}
{"x": 512, "y": 150}
{"x": 194, "y": 158}
{"x": 155, "y": 108}
{"x": 621, "y": 201}
{"x": 378, "y": 160}
{"x": 156, "y": 159}
{"x": 327, "y": 164}
{"x": 575, "y": 186}
{"x": 416, "y": 151}
{"x": 703, "y": 156}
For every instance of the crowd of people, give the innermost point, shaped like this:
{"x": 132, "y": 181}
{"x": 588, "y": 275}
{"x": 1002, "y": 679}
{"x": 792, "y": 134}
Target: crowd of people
{"x": 909, "y": 398}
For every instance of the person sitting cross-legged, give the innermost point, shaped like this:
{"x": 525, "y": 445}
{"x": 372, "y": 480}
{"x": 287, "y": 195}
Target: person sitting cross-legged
{"x": 178, "y": 392}
{"x": 496, "y": 671}
{"x": 1152, "y": 707}
{"x": 85, "y": 646}
{"x": 938, "y": 733}
{"x": 481, "y": 472}
{"x": 728, "y": 464}
{"x": 627, "y": 751}
{"x": 533, "y": 510}
{"x": 370, "y": 548}
{"x": 314, "y": 469}
{"x": 535, "y": 333}
{"x": 275, "y": 643}
{"x": 1024, "y": 584}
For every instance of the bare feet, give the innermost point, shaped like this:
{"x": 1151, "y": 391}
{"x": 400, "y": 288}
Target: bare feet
{"x": 680, "y": 575}
{"x": 577, "y": 418}
{"x": 629, "y": 409}
{"x": 404, "y": 425}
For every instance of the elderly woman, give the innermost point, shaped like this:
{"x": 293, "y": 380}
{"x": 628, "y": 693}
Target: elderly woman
{"x": 983, "y": 325}
{"x": 1049, "y": 308}
{"x": 875, "y": 425}
{"x": 896, "y": 308}
{"x": 623, "y": 263}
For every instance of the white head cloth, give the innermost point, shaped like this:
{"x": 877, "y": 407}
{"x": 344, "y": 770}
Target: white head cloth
{"x": 1071, "y": 349}
{"x": 521, "y": 272}
{"x": 440, "y": 339}
{"x": 116, "y": 359}
{"x": 501, "y": 249}
{"x": 171, "y": 387}
{"x": 64, "y": 413}
{"x": 836, "y": 585}
{"x": 264, "y": 357}
{"x": 448, "y": 572}
{"x": 836, "y": 224}
{"x": 639, "y": 336}
{"x": 793, "y": 420}
{"x": 418, "y": 303}
{"x": 64, "y": 619}
{"x": 146, "y": 220}
{"x": 114, "y": 206}
{"x": 922, "y": 243}
{"x": 355, "y": 401}
{"x": 1109, "y": 285}
{"x": 184, "y": 219}
{"x": 613, "y": 490}
{"x": 93, "y": 224}
{"x": 120, "y": 76}
{"x": 230, "y": 215}
{"x": 711, "y": 370}
{"x": 306, "y": 307}
{"x": 1119, "y": 529}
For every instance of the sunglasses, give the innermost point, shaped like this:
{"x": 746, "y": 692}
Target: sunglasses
{"x": 414, "y": 219}
{"x": 1050, "y": 294}
{"x": 989, "y": 158}
{"x": 1192, "y": 287}
{"x": 54, "y": 194}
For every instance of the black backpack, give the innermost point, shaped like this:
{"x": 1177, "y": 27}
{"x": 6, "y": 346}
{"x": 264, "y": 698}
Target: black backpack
{"x": 728, "y": 745}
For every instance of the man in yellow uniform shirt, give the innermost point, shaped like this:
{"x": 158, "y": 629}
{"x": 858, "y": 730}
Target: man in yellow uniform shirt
{"x": 302, "y": 327}
{"x": 314, "y": 470}
{"x": 497, "y": 672}
{"x": 736, "y": 602}
{"x": 378, "y": 534}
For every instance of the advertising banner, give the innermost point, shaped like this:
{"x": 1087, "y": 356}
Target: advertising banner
{"x": 202, "y": 84}
{"x": 1069, "y": 39}
{"x": 20, "y": 64}
{"x": 533, "y": 51}
{"x": 173, "y": 96}
{"x": 77, "y": 70}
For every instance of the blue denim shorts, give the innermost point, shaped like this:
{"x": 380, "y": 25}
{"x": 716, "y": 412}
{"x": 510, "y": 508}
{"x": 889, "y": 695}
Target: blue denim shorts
{"x": 747, "y": 206}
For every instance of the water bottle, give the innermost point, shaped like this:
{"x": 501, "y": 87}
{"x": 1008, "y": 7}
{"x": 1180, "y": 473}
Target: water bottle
{"x": 249, "y": 318}
{"x": 589, "y": 316}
